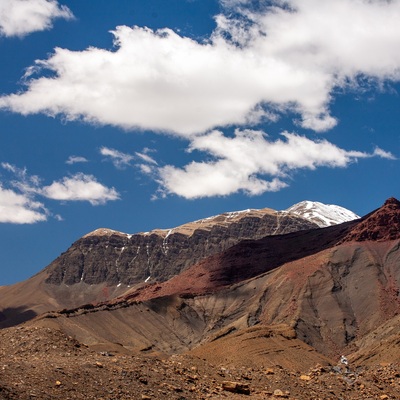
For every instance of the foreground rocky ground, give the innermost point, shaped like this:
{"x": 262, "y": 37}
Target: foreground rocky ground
{"x": 39, "y": 362}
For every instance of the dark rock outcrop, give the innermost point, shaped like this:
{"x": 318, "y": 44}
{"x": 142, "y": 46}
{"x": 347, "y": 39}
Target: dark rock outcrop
{"x": 113, "y": 257}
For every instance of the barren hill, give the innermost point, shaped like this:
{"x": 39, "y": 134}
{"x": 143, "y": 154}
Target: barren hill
{"x": 267, "y": 317}
{"x": 105, "y": 263}
{"x": 330, "y": 292}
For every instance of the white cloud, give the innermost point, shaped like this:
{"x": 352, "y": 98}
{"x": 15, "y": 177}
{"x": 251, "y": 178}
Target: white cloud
{"x": 19, "y": 208}
{"x": 25, "y": 183}
{"x": 18, "y": 202}
{"x": 146, "y": 158}
{"x": 21, "y": 17}
{"x": 384, "y": 154}
{"x": 80, "y": 187}
{"x": 148, "y": 169}
{"x": 76, "y": 159}
{"x": 9, "y": 167}
{"x": 118, "y": 158}
{"x": 251, "y": 163}
{"x": 275, "y": 60}
{"x": 286, "y": 57}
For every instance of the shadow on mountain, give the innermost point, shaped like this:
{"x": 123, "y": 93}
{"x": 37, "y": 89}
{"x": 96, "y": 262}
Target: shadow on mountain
{"x": 245, "y": 260}
{"x": 14, "y": 316}
{"x": 254, "y": 257}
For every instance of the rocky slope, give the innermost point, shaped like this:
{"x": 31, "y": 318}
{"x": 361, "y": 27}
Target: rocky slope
{"x": 330, "y": 291}
{"x": 40, "y": 362}
{"x": 381, "y": 225}
{"x": 254, "y": 319}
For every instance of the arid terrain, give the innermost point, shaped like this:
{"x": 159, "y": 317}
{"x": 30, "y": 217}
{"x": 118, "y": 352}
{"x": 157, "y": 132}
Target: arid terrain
{"x": 265, "y": 318}
{"x": 40, "y": 362}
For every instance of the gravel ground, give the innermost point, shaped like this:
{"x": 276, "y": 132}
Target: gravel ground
{"x": 43, "y": 363}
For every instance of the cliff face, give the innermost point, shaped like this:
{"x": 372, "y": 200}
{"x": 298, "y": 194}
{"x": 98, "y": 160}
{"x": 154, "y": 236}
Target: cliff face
{"x": 106, "y": 256}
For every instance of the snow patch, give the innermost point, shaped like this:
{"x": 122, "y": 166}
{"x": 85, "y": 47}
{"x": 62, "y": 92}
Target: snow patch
{"x": 322, "y": 214}
{"x": 165, "y": 242}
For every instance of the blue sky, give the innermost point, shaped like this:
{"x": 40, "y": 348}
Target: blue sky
{"x": 135, "y": 115}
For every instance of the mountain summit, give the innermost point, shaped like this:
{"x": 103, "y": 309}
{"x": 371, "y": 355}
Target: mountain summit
{"x": 322, "y": 214}
{"x": 106, "y": 263}
{"x": 381, "y": 225}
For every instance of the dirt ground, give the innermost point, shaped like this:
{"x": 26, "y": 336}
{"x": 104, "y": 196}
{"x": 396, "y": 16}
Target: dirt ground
{"x": 43, "y": 363}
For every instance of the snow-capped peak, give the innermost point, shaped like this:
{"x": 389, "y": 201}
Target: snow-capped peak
{"x": 322, "y": 214}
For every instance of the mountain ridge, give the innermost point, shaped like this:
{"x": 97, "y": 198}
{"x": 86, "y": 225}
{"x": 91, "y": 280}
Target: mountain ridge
{"x": 130, "y": 259}
{"x": 105, "y": 263}
{"x": 331, "y": 292}
{"x": 269, "y": 317}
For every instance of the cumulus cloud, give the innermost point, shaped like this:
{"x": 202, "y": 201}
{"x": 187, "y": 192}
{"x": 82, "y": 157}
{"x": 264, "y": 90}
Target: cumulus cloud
{"x": 80, "y": 187}
{"x": 21, "y": 17}
{"x": 17, "y": 208}
{"x": 252, "y": 163}
{"x": 261, "y": 62}
{"x": 118, "y": 158}
{"x": 18, "y": 202}
{"x": 76, "y": 159}
{"x": 286, "y": 57}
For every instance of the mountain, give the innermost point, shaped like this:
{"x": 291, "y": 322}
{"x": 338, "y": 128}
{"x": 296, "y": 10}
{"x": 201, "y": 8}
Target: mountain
{"x": 381, "y": 225}
{"x": 123, "y": 259}
{"x": 115, "y": 258}
{"x": 105, "y": 263}
{"x": 330, "y": 289}
{"x": 322, "y": 214}
{"x": 268, "y": 317}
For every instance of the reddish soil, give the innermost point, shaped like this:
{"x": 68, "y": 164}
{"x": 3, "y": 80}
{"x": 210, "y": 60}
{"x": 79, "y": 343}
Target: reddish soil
{"x": 380, "y": 225}
{"x": 43, "y": 363}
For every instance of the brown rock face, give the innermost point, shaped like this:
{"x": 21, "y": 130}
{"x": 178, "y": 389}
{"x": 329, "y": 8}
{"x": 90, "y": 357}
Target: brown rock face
{"x": 113, "y": 257}
{"x": 245, "y": 260}
{"x": 381, "y": 225}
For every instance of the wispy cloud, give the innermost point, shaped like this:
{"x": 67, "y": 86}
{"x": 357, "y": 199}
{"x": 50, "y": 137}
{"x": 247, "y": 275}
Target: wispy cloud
{"x": 251, "y": 163}
{"x": 146, "y": 158}
{"x": 25, "y": 183}
{"x": 384, "y": 154}
{"x": 21, "y": 17}
{"x": 287, "y": 57}
{"x": 80, "y": 187}
{"x": 75, "y": 160}
{"x": 118, "y": 158}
